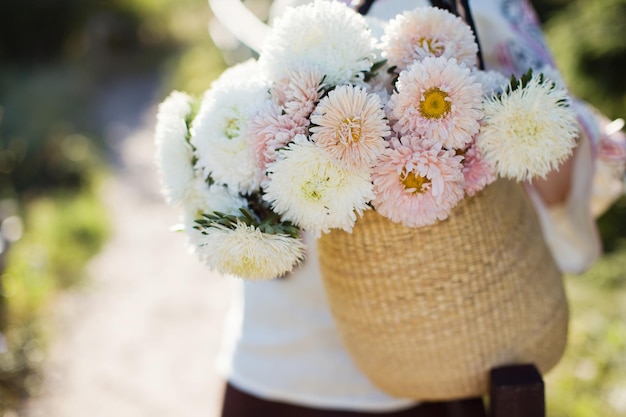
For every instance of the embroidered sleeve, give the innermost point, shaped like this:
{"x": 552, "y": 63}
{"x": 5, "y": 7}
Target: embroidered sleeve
{"x": 512, "y": 42}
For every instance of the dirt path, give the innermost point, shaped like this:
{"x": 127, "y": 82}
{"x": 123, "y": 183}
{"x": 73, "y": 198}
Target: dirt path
{"x": 141, "y": 337}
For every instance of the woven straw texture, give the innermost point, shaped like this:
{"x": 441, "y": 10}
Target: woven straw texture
{"x": 426, "y": 313}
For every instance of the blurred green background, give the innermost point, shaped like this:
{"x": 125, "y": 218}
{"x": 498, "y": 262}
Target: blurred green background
{"x": 57, "y": 56}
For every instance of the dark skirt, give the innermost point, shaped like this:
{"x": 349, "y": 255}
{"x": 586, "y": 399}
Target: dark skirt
{"x": 240, "y": 404}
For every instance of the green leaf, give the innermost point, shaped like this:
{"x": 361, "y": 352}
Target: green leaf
{"x": 373, "y": 71}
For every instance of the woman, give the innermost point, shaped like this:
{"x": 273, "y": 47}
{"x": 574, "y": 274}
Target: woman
{"x": 281, "y": 351}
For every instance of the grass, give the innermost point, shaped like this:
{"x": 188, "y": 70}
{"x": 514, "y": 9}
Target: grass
{"x": 50, "y": 165}
{"x": 63, "y": 230}
{"x": 590, "y": 381}
{"x": 51, "y": 162}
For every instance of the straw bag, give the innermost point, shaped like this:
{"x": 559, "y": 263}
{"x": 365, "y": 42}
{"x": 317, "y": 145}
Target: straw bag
{"x": 426, "y": 313}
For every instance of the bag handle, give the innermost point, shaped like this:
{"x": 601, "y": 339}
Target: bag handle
{"x": 456, "y": 7}
{"x": 240, "y": 22}
{"x": 364, "y": 6}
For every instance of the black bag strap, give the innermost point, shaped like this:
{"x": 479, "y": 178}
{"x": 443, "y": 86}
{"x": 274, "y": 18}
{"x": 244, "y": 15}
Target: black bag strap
{"x": 459, "y": 8}
{"x": 449, "y": 5}
{"x": 364, "y": 6}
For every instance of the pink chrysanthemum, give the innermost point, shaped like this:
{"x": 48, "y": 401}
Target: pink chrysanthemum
{"x": 417, "y": 186}
{"x": 350, "y": 126}
{"x": 477, "y": 172}
{"x": 299, "y": 92}
{"x": 428, "y": 32}
{"x": 438, "y": 100}
{"x": 270, "y": 130}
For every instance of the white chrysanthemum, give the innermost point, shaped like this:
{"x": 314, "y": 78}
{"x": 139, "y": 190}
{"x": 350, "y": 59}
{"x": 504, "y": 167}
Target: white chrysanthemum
{"x": 220, "y": 133}
{"x": 247, "y": 72}
{"x": 203, "y": 198}
{"x": 327, "y": 34}
{"x": 350, "y": 126}
{"x": 528, "y": 132}
{"x": 194, "y": 236}
{"x": 428, "y": 32}
{"x": 309, "y": 188}
{"x": 492, "y": 82}
{"x": 174, "y": 155}
{"x": 249, "y": 253}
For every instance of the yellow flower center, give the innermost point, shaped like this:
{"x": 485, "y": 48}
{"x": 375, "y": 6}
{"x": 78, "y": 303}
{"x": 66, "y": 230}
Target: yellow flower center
{"x": 431, "y": 45}
{"x": 349, "y": 130}
{"x": 414, "y": 182}
{"x": 232, "y": 128}
{"x": 435, "y": 105}
{"x": 313, "y": 190}
{"x": 243, "y": 266}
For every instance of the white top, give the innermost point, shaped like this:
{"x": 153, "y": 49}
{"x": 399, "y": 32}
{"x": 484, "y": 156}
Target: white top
{"x": 280, "y": 341}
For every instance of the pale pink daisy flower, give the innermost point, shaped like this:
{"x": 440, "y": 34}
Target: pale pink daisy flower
{"x": 417, "y": 186}
{"x": 299, "y": 92}
{"x": 428, "y": 32}
{"x": 439, "y": 100}
{"x": 476, "y": 170}
{"x": 270, "y": 130}
{"x": 350, "y": 126}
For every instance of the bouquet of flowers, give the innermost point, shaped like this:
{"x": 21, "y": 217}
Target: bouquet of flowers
{"x": 339, "y": 116}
